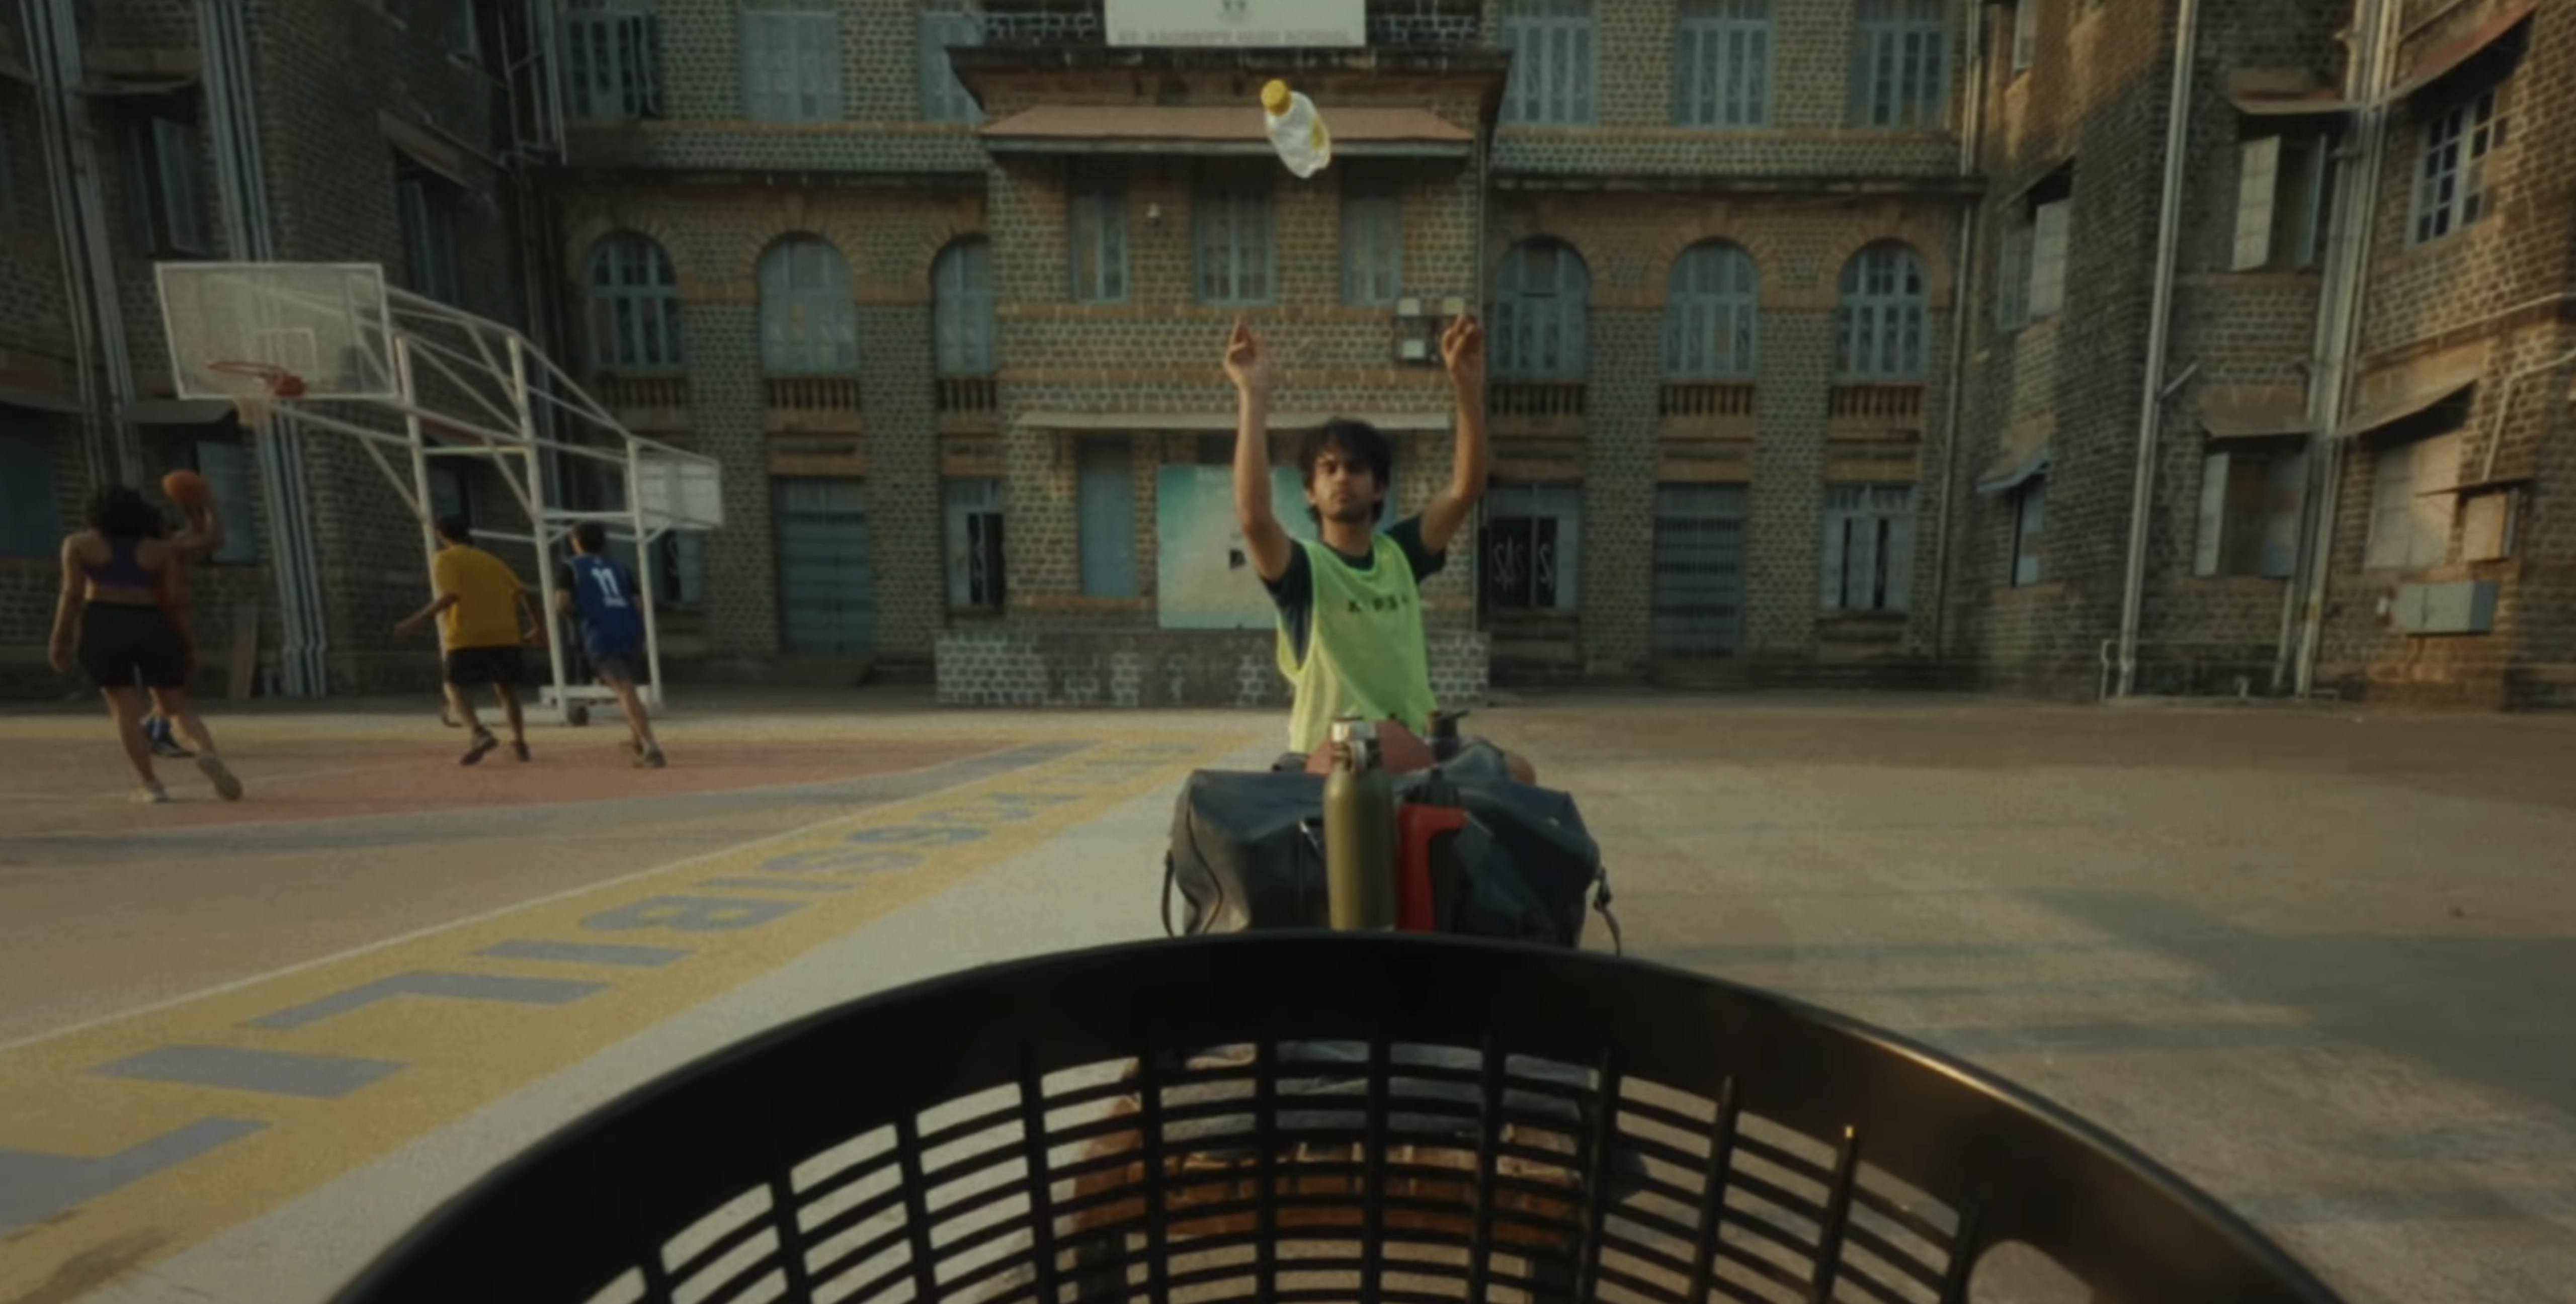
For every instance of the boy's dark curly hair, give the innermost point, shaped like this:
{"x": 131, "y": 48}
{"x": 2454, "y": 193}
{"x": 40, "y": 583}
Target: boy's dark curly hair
{"x": 1350, "y": 439}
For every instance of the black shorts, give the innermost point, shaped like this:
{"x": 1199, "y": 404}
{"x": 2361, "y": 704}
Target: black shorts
{"x": 120, "y": 643}
{"x": 469, "y": 667}
{"x": 613, "y": 667}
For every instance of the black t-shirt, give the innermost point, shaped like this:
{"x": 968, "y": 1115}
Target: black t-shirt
{"x": 1294, "y": 590}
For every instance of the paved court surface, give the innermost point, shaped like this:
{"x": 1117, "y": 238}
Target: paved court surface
{"x": 2322, "y": 963}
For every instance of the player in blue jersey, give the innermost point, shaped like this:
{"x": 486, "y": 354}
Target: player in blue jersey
{"x": 602, "y": 598}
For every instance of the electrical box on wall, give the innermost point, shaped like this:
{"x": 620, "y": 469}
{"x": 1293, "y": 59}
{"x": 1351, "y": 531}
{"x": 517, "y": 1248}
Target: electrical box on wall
{"x": 2455, "y": 607}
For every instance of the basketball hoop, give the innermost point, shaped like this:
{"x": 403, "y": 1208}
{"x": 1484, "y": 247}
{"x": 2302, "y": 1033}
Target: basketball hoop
{"x": 275, "y": 385}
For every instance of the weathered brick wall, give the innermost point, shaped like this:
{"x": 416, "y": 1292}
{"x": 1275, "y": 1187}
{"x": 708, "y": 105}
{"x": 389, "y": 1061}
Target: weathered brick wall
{"x": 2072, "y": 382}
{"x": 2419, "y": 291}
{"x": 325, "y": 75}
{"x": 1810, "y": 133}
{"x": 2459, "y": 292}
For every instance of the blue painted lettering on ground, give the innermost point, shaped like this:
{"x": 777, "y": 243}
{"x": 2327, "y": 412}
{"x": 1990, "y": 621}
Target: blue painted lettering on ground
{"x": 924, "y": 835}
{"x": 691, "y": 914}
{"x": 840, "y": 860}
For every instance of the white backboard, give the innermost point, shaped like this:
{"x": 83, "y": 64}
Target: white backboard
{"x": 679, "y": 491}
{"x": 1231, "y": 23}
{"x": 325, "y": 322}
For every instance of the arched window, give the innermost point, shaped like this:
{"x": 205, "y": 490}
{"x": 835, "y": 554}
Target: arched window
{"x": 807, "y": 323}
{"x": 1711, "y": 314}
{"x": 961, "y": 291}
{"x": 1539, "y": 323}
{"x": 1879, "y": 326}
{"x": 634, "y": 305}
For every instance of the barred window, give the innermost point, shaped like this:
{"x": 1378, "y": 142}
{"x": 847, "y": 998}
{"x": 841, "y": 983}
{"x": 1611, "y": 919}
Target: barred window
{"x": 1235, "y": 249}
{"x": 634, "y": 305}
{"x": 1868, "y": 547}
{"x": 1096, "y": 227}
{"x": 1555, "y": 72}
{"x": 973, "y": 508}
{"x": 2451, "y": 184}
{"x": 961, "y": 287}
{"x": 791, "y": 61}
{"x": 1900, "y": 75}
{"x": 1722, "y": 64}
{"x": 608, "y": 65}
{"x": 1711, "y": 313}
{"x": 1880, "y": 323}
{"x": 1539, "y": 319}
{"x": 1372, "y": 239}
{"x": 946, "y": 23}
{"x": 808, "y": 324}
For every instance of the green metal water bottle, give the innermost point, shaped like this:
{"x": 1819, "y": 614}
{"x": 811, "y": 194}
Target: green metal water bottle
{"x": 1359, "y": 831}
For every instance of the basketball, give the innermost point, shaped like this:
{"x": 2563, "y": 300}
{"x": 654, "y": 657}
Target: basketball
{"x": 187, "y": 488}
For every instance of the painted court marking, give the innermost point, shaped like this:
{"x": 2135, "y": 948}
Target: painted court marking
{"x": 166, "y": 1126}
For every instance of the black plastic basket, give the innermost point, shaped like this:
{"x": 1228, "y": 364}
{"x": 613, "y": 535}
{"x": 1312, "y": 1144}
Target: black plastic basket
{"x": 1305, "y": 1116}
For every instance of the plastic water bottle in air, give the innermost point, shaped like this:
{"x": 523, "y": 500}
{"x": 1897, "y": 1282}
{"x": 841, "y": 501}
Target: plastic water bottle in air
{"x": 1296, "y": 129}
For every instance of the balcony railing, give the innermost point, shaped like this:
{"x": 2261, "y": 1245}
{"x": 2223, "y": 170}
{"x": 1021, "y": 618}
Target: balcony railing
{"x": 967, "y": 396}
{"x": 1707, "y": 400}
{"x": 813, "y": 395}
{"x": 1523, "y": 398}
{"x": 1879, "y": 404}
{"x": 631, "y": 392}
{"x": 1447, "y": 24}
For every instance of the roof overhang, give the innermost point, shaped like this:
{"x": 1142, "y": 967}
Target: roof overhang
{"x": 2314, "y": 104}
{"x": 2442, "y": 60}
{"x": 37, "y": 400}
{"x": 2010, "y": 473}
{"x": 2390, "y": 411}
{"x": 1217, "y": 130}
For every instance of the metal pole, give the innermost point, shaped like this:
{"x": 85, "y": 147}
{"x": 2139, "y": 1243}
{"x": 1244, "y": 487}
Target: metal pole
{"x": 543, "y": 527}
{"x": 416, "y": 443}
{"x": 644, "y": 578}
{"x": 2347, "y": 290}
{"x": 2151, "y": 403}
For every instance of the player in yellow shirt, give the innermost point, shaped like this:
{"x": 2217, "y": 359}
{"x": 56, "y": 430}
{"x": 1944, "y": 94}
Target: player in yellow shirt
{"x": 479, "y": 606}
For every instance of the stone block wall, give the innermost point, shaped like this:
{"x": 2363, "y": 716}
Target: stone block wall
{"x": 2501, "y": 294}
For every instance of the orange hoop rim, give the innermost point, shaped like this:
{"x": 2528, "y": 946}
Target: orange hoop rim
{"x": 281, "y": 382}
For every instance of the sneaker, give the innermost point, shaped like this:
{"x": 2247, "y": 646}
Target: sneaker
{"x": 151, "y": 794}
{"x": 165, "y": 742}
{"x": 519, "y": 750}
{"x": 226, "y": 786}
{"x": 481, "y": 747}
{"x": 649, "y": 759}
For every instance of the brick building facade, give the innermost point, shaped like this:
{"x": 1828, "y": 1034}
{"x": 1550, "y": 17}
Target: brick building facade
{"x": 1822, "y": 332}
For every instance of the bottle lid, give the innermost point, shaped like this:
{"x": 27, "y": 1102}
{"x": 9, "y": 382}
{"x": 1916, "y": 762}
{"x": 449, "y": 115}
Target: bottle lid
{"x": 1274, "y": 97}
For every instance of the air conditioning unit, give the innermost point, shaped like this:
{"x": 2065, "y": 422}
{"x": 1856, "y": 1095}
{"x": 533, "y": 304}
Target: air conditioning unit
{"x": 2452, "y": 607}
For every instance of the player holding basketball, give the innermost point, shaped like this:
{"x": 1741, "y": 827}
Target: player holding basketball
{"x": 111, "y": 620}
{"x": 479, "y": 604}
{"x": 601, "y": 595}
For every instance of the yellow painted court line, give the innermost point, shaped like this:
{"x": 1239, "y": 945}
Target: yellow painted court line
{"x": 457, "y": 1055}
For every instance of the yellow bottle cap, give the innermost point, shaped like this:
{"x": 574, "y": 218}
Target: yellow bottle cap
{"x": 1274, "y": 97}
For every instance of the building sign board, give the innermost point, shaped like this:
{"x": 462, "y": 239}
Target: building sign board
{"x": 1267, "y": 23}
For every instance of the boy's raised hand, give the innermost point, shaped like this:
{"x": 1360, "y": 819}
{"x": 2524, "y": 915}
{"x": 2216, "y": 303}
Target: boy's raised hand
{"x": 1462, "y": 350}
{"x": 1245, "y": 362}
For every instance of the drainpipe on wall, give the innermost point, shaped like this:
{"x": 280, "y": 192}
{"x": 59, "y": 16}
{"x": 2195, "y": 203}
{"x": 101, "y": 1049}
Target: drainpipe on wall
{"x": 241, "y": 192}
{"x": 56, "y": 119}
{"x": 2372, "y": 72}
{"x": 2151, "y": 401}
{"x": 89, "y": 260}
{"x": 1963, "y": 299}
